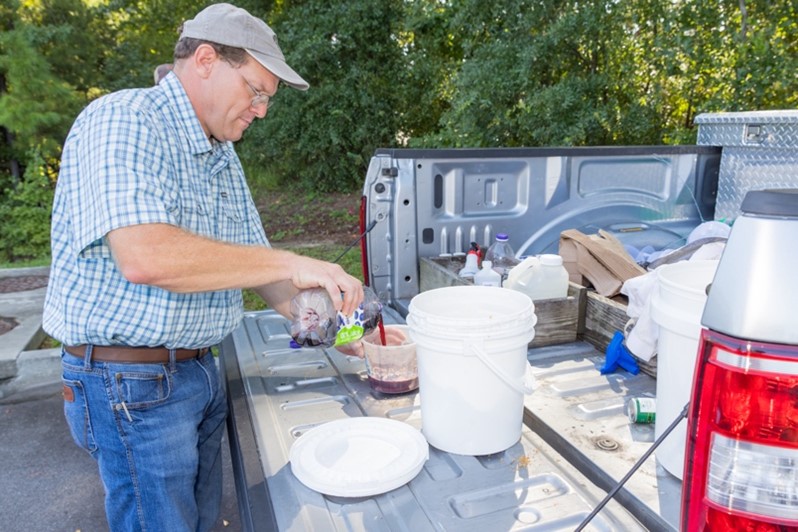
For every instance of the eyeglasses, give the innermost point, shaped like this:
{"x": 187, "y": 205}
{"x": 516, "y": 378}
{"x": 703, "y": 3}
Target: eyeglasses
{"x": 259, "y": 98}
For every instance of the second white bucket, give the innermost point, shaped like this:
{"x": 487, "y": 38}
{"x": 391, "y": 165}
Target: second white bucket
{"x": 471, "y": 344}
{"x": 676, "y": 306}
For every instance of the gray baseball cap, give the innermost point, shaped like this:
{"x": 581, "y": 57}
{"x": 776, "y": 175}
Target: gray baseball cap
{"x": 232, "y": 26}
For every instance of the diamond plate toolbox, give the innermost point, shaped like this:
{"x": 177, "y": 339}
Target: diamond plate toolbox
{"x": 760, "y": 151}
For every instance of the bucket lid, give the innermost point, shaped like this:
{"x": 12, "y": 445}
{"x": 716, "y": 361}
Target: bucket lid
{"x": 358, "y": 457}
{"x": 484, "y": 311}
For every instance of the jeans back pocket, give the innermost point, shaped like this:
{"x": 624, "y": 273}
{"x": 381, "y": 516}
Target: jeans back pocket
{"x": 76, "y": 412}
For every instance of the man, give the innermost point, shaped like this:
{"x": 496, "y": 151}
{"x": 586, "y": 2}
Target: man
{"x": 154, "y": 233}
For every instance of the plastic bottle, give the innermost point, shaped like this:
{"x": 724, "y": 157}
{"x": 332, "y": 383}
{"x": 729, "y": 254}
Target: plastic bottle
{"x": 487, "y": 276}
{"x": 315, "y": 321}
{"x": 472, "y": 261}
{"x": 515, "y": 273}
{"x": 547, "y": 280}
{"x": 501, "y": 255}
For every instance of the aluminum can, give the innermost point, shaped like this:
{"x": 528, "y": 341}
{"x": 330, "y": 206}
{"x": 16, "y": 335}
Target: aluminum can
{"x": 642, "y": 409}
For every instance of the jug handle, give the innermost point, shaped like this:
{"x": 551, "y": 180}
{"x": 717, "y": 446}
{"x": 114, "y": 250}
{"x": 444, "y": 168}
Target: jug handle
{"x": 527, "y": 384}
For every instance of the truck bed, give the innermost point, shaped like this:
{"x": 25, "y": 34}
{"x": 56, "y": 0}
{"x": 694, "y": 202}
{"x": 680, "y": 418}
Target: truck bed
{"x": 575, "y": 444}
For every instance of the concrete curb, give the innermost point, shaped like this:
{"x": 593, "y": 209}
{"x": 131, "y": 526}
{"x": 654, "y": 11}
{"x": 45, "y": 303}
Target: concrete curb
{"x": 37, "y": 370}
{"x": 26, "y": 308}
{"x": 20, "y": 272}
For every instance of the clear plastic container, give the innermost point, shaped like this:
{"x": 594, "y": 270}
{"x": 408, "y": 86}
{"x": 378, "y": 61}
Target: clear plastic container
{"x": 315, "y": 322}
{"x": 501, "y": 255}
{"x": 487, "y": 276}
{"x": 546, "y": 280}
{"x": 392, "y": 368}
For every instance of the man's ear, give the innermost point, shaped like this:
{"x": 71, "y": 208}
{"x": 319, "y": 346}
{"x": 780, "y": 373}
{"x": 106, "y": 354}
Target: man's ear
{"x": 204, "y": 60}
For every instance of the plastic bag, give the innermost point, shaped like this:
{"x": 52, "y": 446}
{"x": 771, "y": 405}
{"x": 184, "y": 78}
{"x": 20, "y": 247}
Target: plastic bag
{"x": 315, "y": 322}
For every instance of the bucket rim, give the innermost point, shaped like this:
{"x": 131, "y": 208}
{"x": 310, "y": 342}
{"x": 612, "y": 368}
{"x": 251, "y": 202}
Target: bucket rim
{"x": 701, "y": 266}
{"x": 471, "y": 290}
{"x": 526, "y": 307}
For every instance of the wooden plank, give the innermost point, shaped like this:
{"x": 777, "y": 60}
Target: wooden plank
{"x": 604, "y": 316}
{"x": 439, "y": 273}
{"x": 583, "y": 315}
{"x": 557, "y": 319}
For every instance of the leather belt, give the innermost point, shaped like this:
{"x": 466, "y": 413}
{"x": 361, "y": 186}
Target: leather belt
{"x": 134, "y": 355}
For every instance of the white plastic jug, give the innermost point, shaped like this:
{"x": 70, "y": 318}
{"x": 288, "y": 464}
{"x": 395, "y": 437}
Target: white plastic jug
{"x": 515, "y": 273}
{"x": 546, "y": 280}
{"x": 471, "y": 345}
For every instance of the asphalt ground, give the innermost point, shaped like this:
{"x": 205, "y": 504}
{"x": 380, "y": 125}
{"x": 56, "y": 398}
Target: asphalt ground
{"x": 48, "y": 483}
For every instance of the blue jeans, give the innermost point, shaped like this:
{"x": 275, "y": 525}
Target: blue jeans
{"x": 155, "y": 431}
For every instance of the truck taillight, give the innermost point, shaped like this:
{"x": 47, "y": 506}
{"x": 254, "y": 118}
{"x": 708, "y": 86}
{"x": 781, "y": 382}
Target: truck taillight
{"x": 742, "y": 446}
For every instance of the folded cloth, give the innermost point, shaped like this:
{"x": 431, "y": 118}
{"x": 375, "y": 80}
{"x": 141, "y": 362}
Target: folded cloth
{"x": 617, "y": 355}
{"x": 642, "y": 339}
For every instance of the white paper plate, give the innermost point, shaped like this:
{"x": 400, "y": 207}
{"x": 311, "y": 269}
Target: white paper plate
{"x": 358, "y": 457}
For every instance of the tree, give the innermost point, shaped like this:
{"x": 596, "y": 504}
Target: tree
{"x": 322, "y": 139}
{"x": 384, "y": 73}
{"x": 546, "y": 72}
{"x": 36, "y": 109}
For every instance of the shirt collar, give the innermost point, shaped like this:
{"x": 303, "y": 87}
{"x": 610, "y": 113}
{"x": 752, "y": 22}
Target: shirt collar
{"x": 187, "y": 117}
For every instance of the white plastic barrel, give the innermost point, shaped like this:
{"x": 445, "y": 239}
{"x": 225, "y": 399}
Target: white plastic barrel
{"x": 471, "y": 345}
{"x": 676, "y": 306}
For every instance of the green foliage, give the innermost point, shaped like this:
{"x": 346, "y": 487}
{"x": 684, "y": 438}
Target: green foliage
{"x": 552, "y": 72}
{"x": 322, "y": 139}
{"x": 385, "y": 73}
{"x": 26, "y": 217}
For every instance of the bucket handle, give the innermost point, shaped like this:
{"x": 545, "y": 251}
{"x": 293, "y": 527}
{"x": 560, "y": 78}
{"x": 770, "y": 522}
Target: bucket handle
{"x": 527, "y": 384}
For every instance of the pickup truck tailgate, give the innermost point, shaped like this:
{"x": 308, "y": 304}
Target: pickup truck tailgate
{"x": 277, "y": 393}
{"x": 581, "y": 413}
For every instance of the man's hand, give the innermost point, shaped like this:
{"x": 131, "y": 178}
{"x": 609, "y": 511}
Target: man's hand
{"x": 312, "y": 273}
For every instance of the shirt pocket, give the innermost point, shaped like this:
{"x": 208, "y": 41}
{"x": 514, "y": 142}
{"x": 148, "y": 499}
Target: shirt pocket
{"x": 234, "y": 221}
{"x": 195, "y": 216}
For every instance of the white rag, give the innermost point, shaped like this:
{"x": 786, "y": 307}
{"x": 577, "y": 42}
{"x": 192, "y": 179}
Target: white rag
{"x": 642, "y": 339}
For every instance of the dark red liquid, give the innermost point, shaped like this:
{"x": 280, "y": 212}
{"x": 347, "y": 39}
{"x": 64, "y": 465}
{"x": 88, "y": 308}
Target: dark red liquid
{"x": 382, "y": 332}
{"x": 393, "y": 386}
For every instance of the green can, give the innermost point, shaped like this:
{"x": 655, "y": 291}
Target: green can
{"x": 642, "y": 410}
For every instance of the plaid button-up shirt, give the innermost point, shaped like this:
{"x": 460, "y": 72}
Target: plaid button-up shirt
{"x": 134, "y": 157}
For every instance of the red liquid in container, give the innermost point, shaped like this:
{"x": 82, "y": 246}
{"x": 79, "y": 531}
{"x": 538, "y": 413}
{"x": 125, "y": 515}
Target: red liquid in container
{"x": 381, "y": 326}
{"x": 394, "y": 387}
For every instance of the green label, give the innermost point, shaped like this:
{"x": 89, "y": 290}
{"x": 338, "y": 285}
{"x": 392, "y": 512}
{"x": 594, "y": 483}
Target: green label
{"x": 348, "y": 334}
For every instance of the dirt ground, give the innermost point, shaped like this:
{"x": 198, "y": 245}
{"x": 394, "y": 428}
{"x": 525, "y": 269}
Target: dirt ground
{"x": 292, "y": 219}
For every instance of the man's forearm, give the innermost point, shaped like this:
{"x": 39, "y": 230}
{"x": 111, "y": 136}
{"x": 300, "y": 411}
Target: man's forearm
{"x": 171, "y": 258}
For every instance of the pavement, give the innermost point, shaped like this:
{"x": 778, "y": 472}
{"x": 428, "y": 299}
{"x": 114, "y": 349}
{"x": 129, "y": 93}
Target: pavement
{"x": 48, "y": 482}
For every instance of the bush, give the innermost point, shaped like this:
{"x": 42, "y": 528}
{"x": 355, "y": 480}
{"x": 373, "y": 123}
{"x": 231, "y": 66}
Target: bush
{"x": 25, "y": 211}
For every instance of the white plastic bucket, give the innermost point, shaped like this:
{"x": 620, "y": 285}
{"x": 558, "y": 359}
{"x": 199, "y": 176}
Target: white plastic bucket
{"x": 471, "y": 344}
{"x": 676, "y": 306}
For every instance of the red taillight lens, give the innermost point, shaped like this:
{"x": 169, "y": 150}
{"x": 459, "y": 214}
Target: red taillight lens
{"x": 742, "y": 466}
